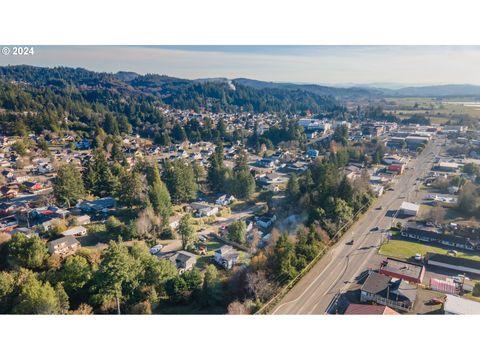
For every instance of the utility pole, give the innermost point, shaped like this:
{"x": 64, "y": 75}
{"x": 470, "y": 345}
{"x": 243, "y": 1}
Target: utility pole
{"x": 118, "y": 304}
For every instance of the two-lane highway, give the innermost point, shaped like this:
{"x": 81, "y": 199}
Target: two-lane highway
{"x": 330, "y": 276}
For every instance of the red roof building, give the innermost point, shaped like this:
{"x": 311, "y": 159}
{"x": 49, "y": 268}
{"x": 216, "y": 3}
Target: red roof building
{"x": 359, "y": 309}
{"x": 396, "y": 168}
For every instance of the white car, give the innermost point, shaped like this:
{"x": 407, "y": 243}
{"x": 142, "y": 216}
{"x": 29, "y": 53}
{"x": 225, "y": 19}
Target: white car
{"x": 154, "y": 250}
{"x": 418, "y": 257}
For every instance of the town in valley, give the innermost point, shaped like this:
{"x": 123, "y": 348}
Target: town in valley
{"x": 147, "y": 194}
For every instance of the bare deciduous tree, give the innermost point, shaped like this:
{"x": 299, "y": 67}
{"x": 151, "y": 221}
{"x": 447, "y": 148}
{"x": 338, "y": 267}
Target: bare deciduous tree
{"x": 258, "y": 285}
{"x": 237, "y": 308}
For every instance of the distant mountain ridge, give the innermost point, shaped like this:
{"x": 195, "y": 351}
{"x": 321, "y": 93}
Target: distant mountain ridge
{"x": 166, "y": 86}
{"x": 449, "y": 90}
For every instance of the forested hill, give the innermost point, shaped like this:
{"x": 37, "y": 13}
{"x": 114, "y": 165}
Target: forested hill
{"x": 35, "y": 99}
{"x": 179, "y": 93}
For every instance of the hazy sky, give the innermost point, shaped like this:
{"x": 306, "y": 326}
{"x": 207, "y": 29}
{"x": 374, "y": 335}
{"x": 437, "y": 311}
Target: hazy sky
{"x": 308, "y": 64}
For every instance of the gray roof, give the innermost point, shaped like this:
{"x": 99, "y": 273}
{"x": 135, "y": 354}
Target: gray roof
{"x": 402, "y": 267}
{"x": 453, "y": 260}
{"x": 376, "y": 283}
{"x": 184, "y": 256}
{"x": 65, "y": 240}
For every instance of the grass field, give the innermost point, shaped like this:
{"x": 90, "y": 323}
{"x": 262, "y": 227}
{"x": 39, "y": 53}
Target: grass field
{"x": 404, "y": 249}
{"x": 438, "y": 111}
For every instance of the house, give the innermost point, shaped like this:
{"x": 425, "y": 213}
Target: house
{"x": 266, "y": 163}
{"x": 8, "y": 223}
{"x": 266, "y": 221}
{"x": 409, "y": 209}
{"x": 225, "y": 200}
{"x": 184, "y": 260}
{"x": 272, "y": 188}
{"x": 32, "y": 186}
{"x": 83, "y": 144}
{"x": 384, "y": 290}
{"x": 401, "y": 269}
{"x": 6, "y": 208}
{"x": 312, "y": 153}
{"x": 226, "y": 256}
{"x": 82, "y": 220}
{"x": 64, "y": 246}
{"x": 75, "y": 231}
{"x": 10, "y": 191}
{"x": 203, "y": 209}
{"x": 454, "y": 263}
{"x": 362, "y": 309}
{"x": 23, "y": 230}
{"x": 98, "y": 205}
{"x": 45, "y": 168}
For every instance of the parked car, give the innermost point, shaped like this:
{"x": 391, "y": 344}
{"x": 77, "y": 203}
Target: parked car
{"x": 418, "y": 257}
{"x": 156, "y": 249}
{"x": 434, "y": 301}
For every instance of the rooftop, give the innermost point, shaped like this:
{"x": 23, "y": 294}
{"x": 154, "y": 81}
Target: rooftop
{"x": 460, "y": 306}
{"x": 402, "y": 267}
{"x": 409, "y": 206}
{"x": 360, "y": 309}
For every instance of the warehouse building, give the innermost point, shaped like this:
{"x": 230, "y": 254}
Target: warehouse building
{"x": 454, "y": 263}
{"x": 409, "y": 209}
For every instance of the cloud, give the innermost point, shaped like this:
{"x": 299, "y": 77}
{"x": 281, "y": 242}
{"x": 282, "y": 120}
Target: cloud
{"x": 311, "y": 64}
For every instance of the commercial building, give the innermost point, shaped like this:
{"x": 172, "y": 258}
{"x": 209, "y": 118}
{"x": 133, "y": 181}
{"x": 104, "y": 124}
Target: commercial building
{"x": 455, "y": 305}
{"x": 396, "y": 169}
{"x": 409, "y": 209}
{"x": 424, "y": 235}
{"x": 401, "y": 269}
{"x": 448, "y": 166}
{"x": 454, "y": 263}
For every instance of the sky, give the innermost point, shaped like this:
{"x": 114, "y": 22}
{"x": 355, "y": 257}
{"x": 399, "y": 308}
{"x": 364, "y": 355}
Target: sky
{"x": 334, "y": 65}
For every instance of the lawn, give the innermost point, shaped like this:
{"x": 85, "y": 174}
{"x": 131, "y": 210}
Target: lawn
{"x": 469, "y": 296}
{"x": 204, "y": 260}
{"x": 212, "y": 245}
{"x": 405, "y": 249}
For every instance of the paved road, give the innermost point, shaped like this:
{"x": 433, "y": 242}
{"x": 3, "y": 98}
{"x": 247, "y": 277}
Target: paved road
{"x": 343, "y": 263}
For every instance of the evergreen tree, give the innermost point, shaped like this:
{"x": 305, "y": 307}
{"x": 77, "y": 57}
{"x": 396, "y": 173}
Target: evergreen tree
{"x": 160, "y": 200}
{"x": 186, "y": 231}
{"x": 180, "y": 180}
{"x": 29, "y": 252}
{"x": 68, "y": 185}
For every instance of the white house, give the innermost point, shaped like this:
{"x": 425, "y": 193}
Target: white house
{"x": 226, "y": 256}
{"x": 75, "y": 231}
{"x": 225, "y": 200}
